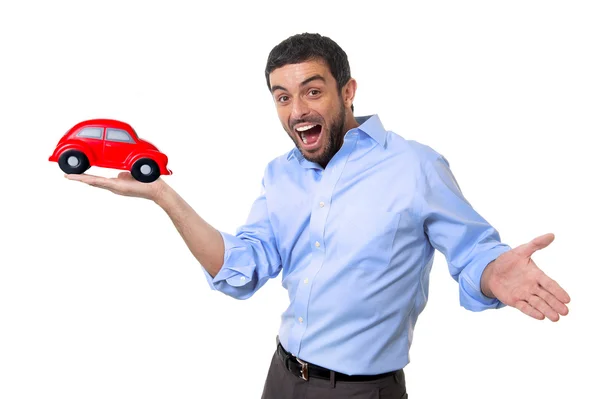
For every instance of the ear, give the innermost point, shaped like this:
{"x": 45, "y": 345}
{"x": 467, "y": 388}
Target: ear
{"x": 348, "y": 92}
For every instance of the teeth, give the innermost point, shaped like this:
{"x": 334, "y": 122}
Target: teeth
{"x": 305, "y": 128}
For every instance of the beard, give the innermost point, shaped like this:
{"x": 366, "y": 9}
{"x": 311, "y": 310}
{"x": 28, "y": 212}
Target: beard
{"x": 333, "y": 142}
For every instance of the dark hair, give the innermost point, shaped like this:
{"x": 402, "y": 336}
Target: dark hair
{"x": 306, "y": 47}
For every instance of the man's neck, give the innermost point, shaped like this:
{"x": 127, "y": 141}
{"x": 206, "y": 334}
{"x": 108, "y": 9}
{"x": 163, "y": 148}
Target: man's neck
{"x": 350, "y": 122}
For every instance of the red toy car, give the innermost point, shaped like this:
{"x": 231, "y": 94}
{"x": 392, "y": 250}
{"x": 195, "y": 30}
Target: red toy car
{"x": 109, "y": 143}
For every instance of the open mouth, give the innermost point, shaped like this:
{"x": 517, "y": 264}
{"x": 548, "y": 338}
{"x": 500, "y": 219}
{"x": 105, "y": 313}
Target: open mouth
{"x": 309, "y": 134}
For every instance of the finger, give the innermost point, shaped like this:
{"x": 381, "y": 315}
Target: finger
{"x": 81, "y": 177}
{"x": 543, "y": 307}
{"x": 555, "y": 289}
{"x": 529, "y": 310}
{"x": 92, "y": 180}
{"x": 535, "y": 245}
{"x": 551, "y": 300}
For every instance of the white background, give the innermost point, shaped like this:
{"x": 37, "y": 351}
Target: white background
{"x": 99, "y": 296}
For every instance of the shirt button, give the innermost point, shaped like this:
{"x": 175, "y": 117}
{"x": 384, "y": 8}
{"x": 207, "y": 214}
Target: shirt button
{"x": 305, "y": 281}
{"x": 300, "y": 319}
{"x": 317, "y": 244}
{"x": 243, "y": 278}
{"x": 321, "y": 204}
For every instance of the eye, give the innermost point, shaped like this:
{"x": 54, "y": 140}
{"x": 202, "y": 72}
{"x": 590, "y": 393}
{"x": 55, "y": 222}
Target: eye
{"x": 282, "y": 99}
{"x": 314, "y": 92}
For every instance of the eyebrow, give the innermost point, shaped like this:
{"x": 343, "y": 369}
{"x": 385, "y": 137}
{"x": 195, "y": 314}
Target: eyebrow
{"x": 304, "y": 83}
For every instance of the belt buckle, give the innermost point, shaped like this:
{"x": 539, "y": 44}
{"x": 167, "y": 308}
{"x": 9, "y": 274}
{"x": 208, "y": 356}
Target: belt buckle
{"x": 304, "y": 371}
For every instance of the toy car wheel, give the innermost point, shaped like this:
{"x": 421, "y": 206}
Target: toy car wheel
{"x": 145, "y": 170}
{"x": 73, "y": 162}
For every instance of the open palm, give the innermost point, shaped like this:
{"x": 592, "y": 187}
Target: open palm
{"x": 124, "y": 184}
{"x": 517, "y": 281}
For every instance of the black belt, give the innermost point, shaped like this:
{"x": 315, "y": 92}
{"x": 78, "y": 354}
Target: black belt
{"x": 306, "y": 370}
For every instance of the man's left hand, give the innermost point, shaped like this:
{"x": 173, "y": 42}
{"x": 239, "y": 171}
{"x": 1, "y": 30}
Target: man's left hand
{"x": 516, "y": 281}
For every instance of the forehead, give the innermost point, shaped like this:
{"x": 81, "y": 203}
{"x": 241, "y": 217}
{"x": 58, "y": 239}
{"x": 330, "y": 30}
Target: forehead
{"x": 293, "y": 75}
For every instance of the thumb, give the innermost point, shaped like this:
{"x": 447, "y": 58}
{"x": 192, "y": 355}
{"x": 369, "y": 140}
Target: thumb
{"x": 125, "y": 176}
{"x": 536, "y": 244}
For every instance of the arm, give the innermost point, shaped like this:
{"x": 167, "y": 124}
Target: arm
{"x": 237, "y": 265}
{"x": 251, "y": 255}
{"x": 454, "y": 228}
{"x": 203, "y": 240}
{"x": 490, "y": 273}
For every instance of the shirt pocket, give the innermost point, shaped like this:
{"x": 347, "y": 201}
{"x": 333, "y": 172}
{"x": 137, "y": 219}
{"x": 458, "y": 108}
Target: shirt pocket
{"x": 365, "y": 237}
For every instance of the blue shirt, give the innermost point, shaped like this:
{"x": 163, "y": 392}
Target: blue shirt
{"x": 355, "y": 242}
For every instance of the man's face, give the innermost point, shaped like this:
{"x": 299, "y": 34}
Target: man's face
{"x": 310, "y": 108}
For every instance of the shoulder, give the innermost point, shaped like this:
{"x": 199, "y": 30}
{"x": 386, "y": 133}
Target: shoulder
{"x": 423, "y": 151}
{"x": 278, "y": 166}
{"x": 419, "y": 153}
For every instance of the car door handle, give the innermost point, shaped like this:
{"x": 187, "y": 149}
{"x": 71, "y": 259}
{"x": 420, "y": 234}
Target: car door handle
{"x": 108, "y": 145}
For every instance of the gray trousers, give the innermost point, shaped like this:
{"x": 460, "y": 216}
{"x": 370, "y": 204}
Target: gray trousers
{"x": 282, "y": 384}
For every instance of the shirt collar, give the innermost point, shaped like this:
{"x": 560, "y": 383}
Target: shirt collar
{"x": 370, "y": 125}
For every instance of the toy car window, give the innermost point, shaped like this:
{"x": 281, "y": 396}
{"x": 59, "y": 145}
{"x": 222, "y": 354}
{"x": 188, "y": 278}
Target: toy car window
{"x": 91, "y": 132}
{"x": 118, "y": 135}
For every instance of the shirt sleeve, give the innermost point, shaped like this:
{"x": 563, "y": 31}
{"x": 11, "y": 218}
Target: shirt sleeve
{"x": 454, "y": 228}
{"x": 251, "y": 256}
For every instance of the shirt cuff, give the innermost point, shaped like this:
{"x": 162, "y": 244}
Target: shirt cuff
{"x": 238, "y": 264}
{"x": 471, "y": 296}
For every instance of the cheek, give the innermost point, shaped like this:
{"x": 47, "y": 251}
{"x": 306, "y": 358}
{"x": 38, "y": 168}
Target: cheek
{"x": 283, "y": 116}
{"x": 325, "y": 110}
{"x": 284, "y": 120}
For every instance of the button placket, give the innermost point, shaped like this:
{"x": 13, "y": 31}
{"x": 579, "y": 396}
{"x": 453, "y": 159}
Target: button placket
{"x": 325, "y": 189}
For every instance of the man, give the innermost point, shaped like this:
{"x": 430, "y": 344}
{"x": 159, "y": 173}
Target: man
{"x": 352, "y": 217}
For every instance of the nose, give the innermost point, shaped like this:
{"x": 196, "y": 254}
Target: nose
{"x": 299, "y": 109}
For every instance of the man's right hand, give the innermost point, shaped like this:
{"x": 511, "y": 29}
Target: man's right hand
{"x": 124, "y": 184}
